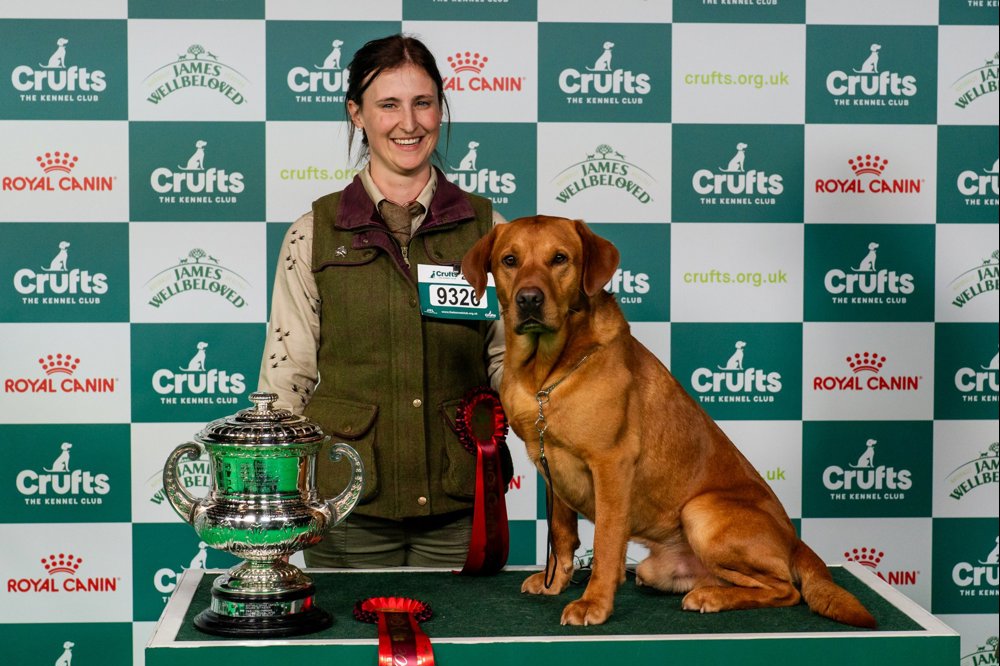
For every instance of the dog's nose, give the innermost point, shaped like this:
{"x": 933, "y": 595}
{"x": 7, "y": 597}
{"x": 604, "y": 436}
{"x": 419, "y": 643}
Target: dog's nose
{"x": 529, "y": 300}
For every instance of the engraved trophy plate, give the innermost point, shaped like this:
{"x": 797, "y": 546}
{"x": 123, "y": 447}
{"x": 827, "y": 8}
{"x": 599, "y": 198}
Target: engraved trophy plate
{"x": 262, "y": 507}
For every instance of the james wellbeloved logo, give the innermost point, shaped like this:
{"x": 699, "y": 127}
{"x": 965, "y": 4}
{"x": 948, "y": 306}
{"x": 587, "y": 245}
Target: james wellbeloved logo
{"x": 604, "y": 72}
{"x": 879, "y": 74}
{"x": 977, "y": 82}
{"x": 867, "y": 171}
{"x": 749, "y": 372}
{"x": 865, "y": 374}
{"x": 983, "y": 278}
{"x": 61, "y": 574}
{"x": 60, "y": 282}
{"x": 604, "y": 168}
{"x": 193, "y": 183}
{"x": 196, "y": 67}
{"x": 62, "y": 483}
{"x": 198, "y": 271}
{"x": 60, "y": 377}
{"x": 56, "y": 172}
{"x": 983, "y": 470}
{"x": 982, "y": 655}
{"x": 871, "y": 557}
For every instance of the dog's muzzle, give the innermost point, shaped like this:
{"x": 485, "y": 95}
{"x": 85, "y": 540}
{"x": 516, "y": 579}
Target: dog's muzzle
{"x": 529, "y": 302}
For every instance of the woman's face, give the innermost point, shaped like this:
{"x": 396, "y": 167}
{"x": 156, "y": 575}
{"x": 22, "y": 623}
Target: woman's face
{"x": 401, "y": 116}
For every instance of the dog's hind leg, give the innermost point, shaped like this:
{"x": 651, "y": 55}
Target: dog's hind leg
{"x": 565, "y": 541}
{"x": 671, "y": 567}
{"x": 745, "y": 550}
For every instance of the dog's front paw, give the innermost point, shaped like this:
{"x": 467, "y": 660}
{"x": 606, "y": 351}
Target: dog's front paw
{"x": 535, "y": 584}
{"x": 702, "y": 600}
{"x": 583, "y": 613}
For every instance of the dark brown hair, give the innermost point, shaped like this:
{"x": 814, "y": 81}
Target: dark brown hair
{"x": 380, "y": 55}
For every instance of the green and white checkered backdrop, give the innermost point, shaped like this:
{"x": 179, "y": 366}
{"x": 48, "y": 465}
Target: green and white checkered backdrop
{"x": 810, "y": 184}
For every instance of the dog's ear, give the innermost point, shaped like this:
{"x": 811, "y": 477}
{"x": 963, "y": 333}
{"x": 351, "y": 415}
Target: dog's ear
{"x": 476, "y": 262}
{"x": 600, "y": 259}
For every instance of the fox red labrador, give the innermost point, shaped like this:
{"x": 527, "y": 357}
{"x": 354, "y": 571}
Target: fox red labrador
{"x": 628, "y": 448}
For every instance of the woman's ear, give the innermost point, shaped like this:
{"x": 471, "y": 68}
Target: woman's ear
{"x": 355, "y": 112}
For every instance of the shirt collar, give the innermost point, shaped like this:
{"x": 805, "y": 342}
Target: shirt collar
{"x": 424, "y": 198}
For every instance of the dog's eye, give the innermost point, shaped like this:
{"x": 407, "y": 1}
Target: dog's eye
{"x": 560, "y": 258}
{"x": 509, "y": 260}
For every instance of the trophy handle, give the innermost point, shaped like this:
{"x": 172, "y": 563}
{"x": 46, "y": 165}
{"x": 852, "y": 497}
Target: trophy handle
{"x": 178, "y": 497}
{"x": 342, "y": 505}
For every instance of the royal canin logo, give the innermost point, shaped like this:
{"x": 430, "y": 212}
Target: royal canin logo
{"x": 871, "y": 557}
{"x": 866, "y": 368}
{"x": 54, "y": 365}
{"x": 61, "y": 575}
{"x": 867, "y": 178}
{"x": 53, "y": 163}
{"x": 468, "y": 67}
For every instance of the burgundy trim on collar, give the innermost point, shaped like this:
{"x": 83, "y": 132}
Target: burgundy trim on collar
{"x": 449, "y": 205}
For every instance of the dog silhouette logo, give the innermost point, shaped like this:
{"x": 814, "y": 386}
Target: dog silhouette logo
{"x": 61, "y": 463}
{"x": 200, "y": 558}
{"x": 66, "y": 658}
{"x": 735, "y": 361}
{"x": 868, "y": 263}
{"x": 993, "y": 558}
{"x": 994, "y": 170}
{"x": 58, "y": 58}
{"x": 736, "y": 163}
{"x": 867, "y": 459}
{"x": 603, "y": 62}
{"x": 468, "y": 162}
{"x": 58, "y": 263}
{"x": 994, "y": 364}
{"x": 332, "y": 61}
{"x": 870, "y": 65}
{"x": 197, "y": 362}
{"x": 197, "y": 160}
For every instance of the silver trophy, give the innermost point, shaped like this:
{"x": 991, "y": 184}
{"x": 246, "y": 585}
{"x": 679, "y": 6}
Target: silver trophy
{"x": 262, "y": 507}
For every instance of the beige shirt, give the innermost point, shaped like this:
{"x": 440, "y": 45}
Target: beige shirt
{"x": 288, "y": 367}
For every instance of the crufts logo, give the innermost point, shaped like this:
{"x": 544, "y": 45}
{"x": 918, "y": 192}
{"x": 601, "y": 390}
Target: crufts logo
{"x": 871, "y": 86}
{"x": 192, "y": 70}
{"x": 984, "y": 470}
{"x": 198, "y": 271}
{"x": 983, "y": 278}
{"x": 733, "y": 382}
{"x": 864, "y": 480}
{"x": 867, "y": 283}
{"x": 977, "y": 82}
{"x": 866, "y": 368}
{"x": 867, "y": 170}
{"x": 57, "y": 283}
{"x": 62, "y": 576}
{"x": 603, "y": 80}
{"x": 165, "y": 579}
{"x": 737, "y": 183}
{"x": 60, "y": 484}
{"x": 468, "y": 67}
{"x": 52, "y": 163}
{"x": 60, "y": 364}
{"x": 978, "y": 578}
{"x": 54, "y": 81}
{"x": 979, "y": 384}
{"x": 324, "y": 83}
{"x": 605, "y": 167}
{"x": 196, "y": 383}
{"x": 980, "y": 186}
{"x": 193, "y": 183}
{"x": 872, "y": 557}
{"x": 471, "y": 177}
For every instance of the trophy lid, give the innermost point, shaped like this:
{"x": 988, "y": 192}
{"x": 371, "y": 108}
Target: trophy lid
{"x": 262, "y": 425}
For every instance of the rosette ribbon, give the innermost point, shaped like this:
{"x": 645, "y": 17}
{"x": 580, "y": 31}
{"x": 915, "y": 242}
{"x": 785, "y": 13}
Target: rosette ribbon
{"x": 482, "y": 430}
{"x": 400, "y": 638}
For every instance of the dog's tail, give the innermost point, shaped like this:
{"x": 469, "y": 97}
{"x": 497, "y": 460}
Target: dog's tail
{"x": 823, "y": 595}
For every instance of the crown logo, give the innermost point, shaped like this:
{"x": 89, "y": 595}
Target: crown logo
{"x": 868, "y": 164}
{"x": 63, "y": 363}
{"x": 467, "y": 62}
{"x": 57, "y": 161}
{"x": 866, "y": 362}
{"x": 868, "y": 557}
{"x": 61, "y": 563}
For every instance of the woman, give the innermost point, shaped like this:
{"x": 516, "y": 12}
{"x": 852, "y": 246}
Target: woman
{"x": 347, "y": 345}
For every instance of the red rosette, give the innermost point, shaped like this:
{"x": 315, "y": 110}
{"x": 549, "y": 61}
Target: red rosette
{"x": 484, "y": 436}
{"x": 400, "y": 639}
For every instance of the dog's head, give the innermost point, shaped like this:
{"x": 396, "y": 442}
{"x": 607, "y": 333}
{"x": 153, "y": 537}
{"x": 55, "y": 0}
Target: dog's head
{"x": 62, "y": 41}
{"x": 543, "y": 266}
{"x": 741, "y": 146}
{"x": 63, "y": 245}
{"x": 200, "y": 143}
{"x": 876, "y": 47}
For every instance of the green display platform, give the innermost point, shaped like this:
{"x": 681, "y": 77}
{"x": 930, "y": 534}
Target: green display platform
{"x": 487, "y": 622}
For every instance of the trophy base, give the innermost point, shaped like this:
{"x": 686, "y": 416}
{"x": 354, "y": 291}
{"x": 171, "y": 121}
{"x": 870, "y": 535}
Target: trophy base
{"x": 263, "y": 616}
